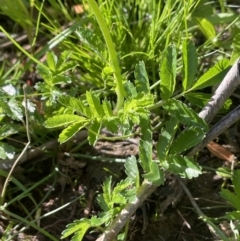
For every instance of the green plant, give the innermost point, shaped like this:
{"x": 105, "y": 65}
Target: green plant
{"x": 92, "y": 111}
{"x": 80, "y": 86}
{"x": 233, "y": 198}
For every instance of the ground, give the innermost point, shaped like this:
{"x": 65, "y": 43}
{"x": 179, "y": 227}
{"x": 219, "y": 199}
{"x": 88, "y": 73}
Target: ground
{"x": 166, "y": 215}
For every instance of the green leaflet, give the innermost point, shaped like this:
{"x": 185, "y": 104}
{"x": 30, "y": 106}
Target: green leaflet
{"x": 145, "y": 154}
{"x": 213, "y": 76}
{"x": 168, "y": 70}
{"x": 231, "y": 198}
{"x": 93, "y": 131}
{"x": 65, "y": 63}
{"x": 54, "y": 72}
{"x": 141, "y": 82}
{"x": 13, "y": 109}
{"x": 166, "y": 137}
{"x": 235, "y": 215}
{"x": 79, "y": 226}
{"x": 112, "y": 124}
{"x": 6, "y": 151}
{"x": 184, "y": 114}
{"x": 236, "y": 44}
{"x": 88, "y": 37}
{"x": 51, "y": 60}
{"x": 70, "y": 131}
{"x": 189, "y": 64}
{"x": 192, "y": 168}
{"x": 72, "y": 103}
{"x": 187, "y": 139}
{"x": 201, "y": 99}
{"x": 8, "y": 130}
{"x": 106, "y": 105}
{"x": 140, "y": 100}
{"x": 236, "y": 183}
{"x": 130, "y": 89}
{"x": 202, "y": 9}
{"x": 155, "y": 175}
{"x": 145, "y": 144}
{"x": 131, "y": 170}
{"x": 222, "y": 18}
{"x": 45, "y": 73}
{"x": 62, "y": 120}
{"x": 182, "y": 166}
{"x": 94, "y": 104}
{"x": 146, "y": 128}
{"x": 60, "y": 79}
{"x": 207, "y": 28}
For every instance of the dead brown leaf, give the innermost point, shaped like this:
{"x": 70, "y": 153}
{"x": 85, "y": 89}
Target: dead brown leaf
{"x": 220, "y": 152}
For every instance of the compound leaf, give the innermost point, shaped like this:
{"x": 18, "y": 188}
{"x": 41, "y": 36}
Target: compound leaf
{"x": 79, "y": 227}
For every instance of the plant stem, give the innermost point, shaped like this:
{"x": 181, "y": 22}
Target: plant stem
{"x": 4, "y": 189}
{"x": 112, "y": 53}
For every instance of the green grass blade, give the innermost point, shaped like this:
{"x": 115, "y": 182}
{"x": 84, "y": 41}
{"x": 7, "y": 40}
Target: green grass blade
{"x": 112, "y": 53}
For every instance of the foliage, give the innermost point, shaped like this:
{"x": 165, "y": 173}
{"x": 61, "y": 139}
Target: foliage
{"x": 156, "y": 46}
{"x": 233, "y": 199}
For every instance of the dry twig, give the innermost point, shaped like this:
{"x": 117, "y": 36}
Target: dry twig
{"x": 224, "y": 90}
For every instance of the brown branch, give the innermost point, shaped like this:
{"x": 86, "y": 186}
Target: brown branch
{"x": 217, "y": 129}
{"x": 224, "y": 90}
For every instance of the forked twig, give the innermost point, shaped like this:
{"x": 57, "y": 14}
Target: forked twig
{"x": 22, "y": 153}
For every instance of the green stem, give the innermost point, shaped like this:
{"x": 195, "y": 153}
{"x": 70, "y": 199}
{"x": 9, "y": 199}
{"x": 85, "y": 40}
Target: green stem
{"x": 112, "y": 53}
